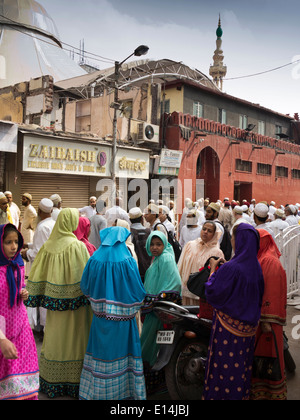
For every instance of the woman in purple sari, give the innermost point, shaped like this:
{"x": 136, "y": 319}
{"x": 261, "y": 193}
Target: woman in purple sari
{"x": 235, "y": 291}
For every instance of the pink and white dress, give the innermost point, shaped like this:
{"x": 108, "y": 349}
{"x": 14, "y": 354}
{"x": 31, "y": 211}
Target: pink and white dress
{"x": 19, "y": 379}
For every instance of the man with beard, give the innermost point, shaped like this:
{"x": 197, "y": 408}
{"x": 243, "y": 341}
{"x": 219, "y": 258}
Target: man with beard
{"x": 27, "y": 227}
{"x": 13, "y": 209}
{"x": 4, "y": 219}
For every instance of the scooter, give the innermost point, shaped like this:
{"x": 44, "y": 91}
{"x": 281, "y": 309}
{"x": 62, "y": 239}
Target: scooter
{"x": 183, "y": 349}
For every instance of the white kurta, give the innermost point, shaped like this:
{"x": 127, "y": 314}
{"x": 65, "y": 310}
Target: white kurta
{"x": 41, "y": 235}
{"x": 27, "y": 229}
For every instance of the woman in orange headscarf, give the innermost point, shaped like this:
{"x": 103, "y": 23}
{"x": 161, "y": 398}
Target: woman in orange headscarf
{"x": 273, "y": 318}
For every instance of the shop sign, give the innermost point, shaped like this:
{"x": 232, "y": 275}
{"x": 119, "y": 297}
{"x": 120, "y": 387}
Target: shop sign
{"x": 63, "y": 157}
{"x": 132, "y": 164}
{"x": 168, "y": 163}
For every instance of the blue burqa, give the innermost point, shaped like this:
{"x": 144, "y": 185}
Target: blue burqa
{"x": 113, "y": 368}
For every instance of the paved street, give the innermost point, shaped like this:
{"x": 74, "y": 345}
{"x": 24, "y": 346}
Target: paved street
{"x": 293, "y": 380}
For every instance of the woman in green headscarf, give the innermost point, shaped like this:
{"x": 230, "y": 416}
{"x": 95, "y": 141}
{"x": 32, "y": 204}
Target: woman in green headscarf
{"x": 162, "y": 282}
{"x": 54, "y": 283}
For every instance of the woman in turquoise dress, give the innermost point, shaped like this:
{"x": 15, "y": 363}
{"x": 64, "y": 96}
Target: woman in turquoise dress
{"x": 162, "y": 282}
{"x": 113, "y": 367}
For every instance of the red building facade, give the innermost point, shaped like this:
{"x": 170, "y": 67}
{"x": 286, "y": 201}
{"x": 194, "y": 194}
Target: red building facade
{"x": 232, "y": 162}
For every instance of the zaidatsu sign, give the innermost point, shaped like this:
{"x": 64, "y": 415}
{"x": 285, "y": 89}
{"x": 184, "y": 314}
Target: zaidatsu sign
{"x": 63, "y": 157}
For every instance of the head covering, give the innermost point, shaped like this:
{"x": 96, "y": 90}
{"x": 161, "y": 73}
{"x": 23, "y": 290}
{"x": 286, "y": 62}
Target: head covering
{"x": 46, "y": 205}
{"x": 111, "y": 278}
{"x": 55, "y": 198}
{"x": 279, "y": 213}
{"x": 135, "y": 213}
{"x": 13, "y": 265}
{"x": 215, "y": 206}
{"x": 2, "y": 196}
{"x": 27, "y": 195}
{"x": 82, "y": 234}
{"x": 238, "y": 210}
{"x": 261, "y": 210}
{"x": 54, "y": 279}
{"x": 274, "y": 300}
{"x": 237, "y": 287}
{"x": 163, "y": 274}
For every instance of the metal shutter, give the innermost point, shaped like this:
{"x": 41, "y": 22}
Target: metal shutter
{"x": 73, "y": 189}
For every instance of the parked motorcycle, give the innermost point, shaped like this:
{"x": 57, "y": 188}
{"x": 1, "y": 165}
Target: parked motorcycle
{"x": 183, "y": 349}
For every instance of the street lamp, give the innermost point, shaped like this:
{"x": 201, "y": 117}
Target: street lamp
{"x": 139, "y": 51}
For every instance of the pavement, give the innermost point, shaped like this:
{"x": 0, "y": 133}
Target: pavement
{"x": 292, "y": 331}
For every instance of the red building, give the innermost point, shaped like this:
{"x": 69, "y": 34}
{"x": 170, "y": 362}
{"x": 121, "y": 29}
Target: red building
{"x": 232, "y": 162}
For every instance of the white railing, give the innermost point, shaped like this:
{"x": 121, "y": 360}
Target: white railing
{"x": 288, "y": 242}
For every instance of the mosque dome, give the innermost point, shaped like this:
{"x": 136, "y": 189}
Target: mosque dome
{"x": 28, "y": 14}
{"x": 30, "y": 46}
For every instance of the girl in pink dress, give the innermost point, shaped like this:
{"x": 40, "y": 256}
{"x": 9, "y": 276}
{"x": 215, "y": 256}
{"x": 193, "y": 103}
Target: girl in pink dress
{"x": 19, "y": 372}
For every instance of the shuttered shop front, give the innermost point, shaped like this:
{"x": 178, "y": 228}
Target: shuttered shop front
{"x": 73, "y": 189}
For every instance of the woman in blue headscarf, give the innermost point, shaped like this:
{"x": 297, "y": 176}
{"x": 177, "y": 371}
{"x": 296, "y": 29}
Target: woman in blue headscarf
{"x": 235, "y": 291}
{"x": 162, "y": 282}
{"x": 113, "y": 367}
{"x": 19, "y": 371}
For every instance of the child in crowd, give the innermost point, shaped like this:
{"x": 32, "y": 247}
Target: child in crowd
{"x": 19, "y": 372}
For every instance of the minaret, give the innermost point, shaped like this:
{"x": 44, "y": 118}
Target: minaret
{"x": 218, "y": 70}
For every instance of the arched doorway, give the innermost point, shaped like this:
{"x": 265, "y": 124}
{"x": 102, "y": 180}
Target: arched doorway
{"x": 208, "y": 169}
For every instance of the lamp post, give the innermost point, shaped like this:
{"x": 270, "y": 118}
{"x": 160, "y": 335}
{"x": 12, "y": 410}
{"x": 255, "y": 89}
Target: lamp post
{"x": 139, "y": 51}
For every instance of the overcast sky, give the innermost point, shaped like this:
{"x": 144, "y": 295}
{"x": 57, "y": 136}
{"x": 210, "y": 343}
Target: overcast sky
{"x": 258, "y": 35}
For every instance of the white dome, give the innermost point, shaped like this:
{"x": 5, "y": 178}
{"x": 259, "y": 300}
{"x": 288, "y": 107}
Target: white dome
{"x": 28, "y": 14}
{"x": 30, "y": 46}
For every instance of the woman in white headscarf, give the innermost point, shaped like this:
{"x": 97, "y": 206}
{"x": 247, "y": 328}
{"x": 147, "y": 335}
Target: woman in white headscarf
{"x": 195, "y": 254}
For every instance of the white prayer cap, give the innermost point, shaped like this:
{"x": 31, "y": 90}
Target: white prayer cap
{"x": 195, "y": 213}
{"x": 261, "y": 210}
{"x": 153, "y": 208}
{"x": 244, "y": 207}
{"x": 2, "y": 196}
{"x": 215, "y": 206}
{"x": 165, "y": 209}
{"x": 280, "y": 213}
{"x": 292, "y": 208}
{"x": 238, "y": 210}
{"x": 135, "y": 213}
{"x": 93, "y": 198}
{"x": 272, "y": 203}
{"x": 46, "y": 205}
{"x": 56, "y": 199}
{"x": 7, "y": 193}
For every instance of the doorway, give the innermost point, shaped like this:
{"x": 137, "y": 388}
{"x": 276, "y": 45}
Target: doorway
{"x": 243, "y": 191}
{"x": 208, "y": 170}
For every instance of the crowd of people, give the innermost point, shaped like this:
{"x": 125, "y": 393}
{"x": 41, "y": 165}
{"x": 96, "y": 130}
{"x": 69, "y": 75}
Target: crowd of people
{"x": 85, "y": 280}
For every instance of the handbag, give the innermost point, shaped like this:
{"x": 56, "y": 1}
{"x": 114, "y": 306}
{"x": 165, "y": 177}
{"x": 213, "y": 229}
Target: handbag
{"x": 196, "y": 282}
{"x": 267, "y": 368}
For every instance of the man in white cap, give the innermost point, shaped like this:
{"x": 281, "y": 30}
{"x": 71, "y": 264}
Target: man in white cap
{"x": 212, "y": 213}
{"x": 238, "y": 217}
{"x": 14, "y": 209}
{"x": 57, "y": 202}
{"x": 290, "y": 211}
{"x": 116, "y": 212}
{"x": 89, "y": 211}
{"x": 163, "y": 217}
{"x": 278, "y": 224}
{"x": 4, "y": 218}
{"x": 261, "y": 215}
{"x": 45, "y": 225}
{"x": 28, "y": 222}
{"x": 151, "y": 216}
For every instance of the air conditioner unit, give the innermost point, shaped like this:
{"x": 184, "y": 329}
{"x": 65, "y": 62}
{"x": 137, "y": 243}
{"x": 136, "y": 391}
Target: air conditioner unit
{"x": 148, "y": 133}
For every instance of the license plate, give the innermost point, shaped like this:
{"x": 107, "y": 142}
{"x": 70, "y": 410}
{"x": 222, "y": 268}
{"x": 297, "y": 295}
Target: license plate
{"x": 165, "y": 337}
